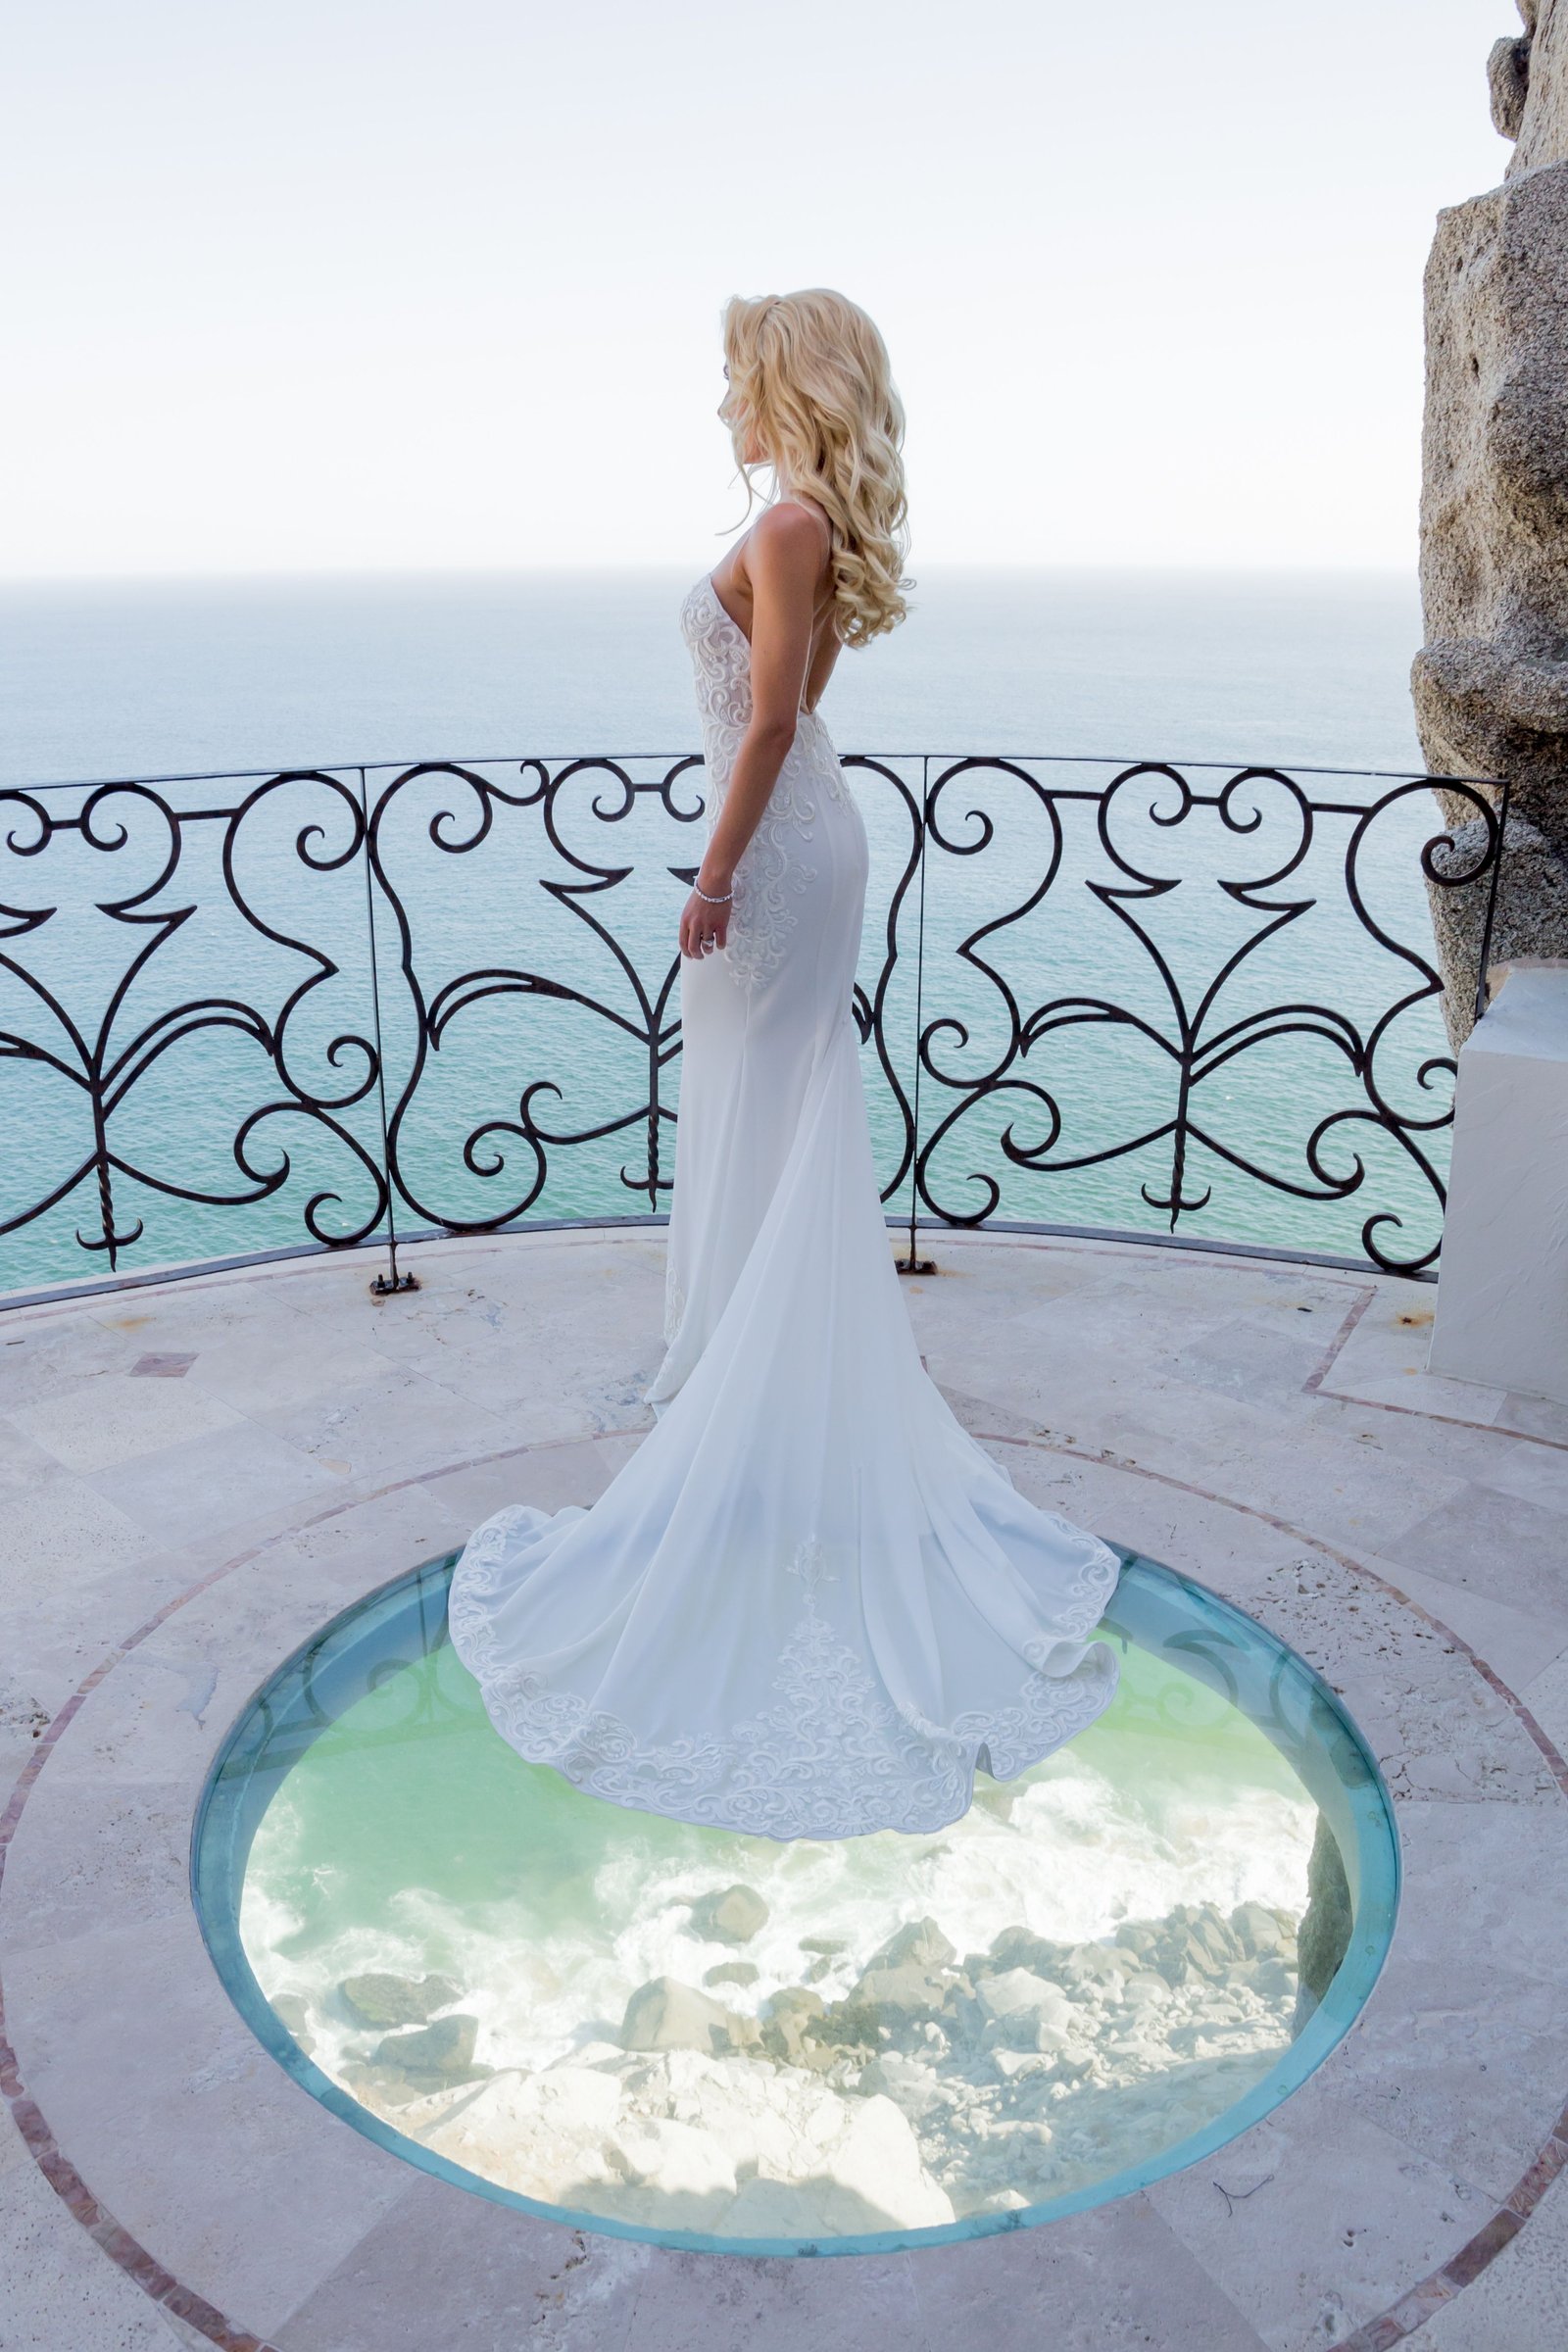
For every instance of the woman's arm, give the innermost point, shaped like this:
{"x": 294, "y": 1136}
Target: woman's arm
{"x": 785, "y": 557}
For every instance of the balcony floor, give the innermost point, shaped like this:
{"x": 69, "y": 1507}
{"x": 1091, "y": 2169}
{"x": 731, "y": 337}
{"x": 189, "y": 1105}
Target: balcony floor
{"x": 196, "y": 1476}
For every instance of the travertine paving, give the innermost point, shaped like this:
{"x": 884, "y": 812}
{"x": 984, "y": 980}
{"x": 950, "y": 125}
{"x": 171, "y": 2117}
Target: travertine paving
{"x": 194, "y": 1477}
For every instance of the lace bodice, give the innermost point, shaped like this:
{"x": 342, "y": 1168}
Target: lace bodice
{"x": 775, "y": 865}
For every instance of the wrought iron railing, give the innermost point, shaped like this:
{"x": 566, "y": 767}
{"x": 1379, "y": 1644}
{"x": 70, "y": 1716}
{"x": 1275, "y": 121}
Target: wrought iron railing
{"x": 242, "y": 1015}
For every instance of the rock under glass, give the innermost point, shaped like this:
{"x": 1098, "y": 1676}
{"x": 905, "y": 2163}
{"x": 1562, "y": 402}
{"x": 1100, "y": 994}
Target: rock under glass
{"x": 687, "y": 2032}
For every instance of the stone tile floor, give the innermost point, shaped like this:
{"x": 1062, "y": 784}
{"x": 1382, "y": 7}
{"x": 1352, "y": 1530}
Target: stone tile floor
{"x": 195, "y": 1476}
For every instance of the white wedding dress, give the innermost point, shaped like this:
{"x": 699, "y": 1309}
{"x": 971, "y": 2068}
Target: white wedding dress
{"x": 811, "y": 1604}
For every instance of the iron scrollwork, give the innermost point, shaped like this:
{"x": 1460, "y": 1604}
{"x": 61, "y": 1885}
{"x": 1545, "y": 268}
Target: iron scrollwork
{"x": 1195, "y": 1027}
{"x": 631, "y": 1001}
{"x": 324, "y": 1002}
{"x": 81, "y": 1007}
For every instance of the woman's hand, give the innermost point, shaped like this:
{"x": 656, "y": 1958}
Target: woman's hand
{"x": 703, "y": 928}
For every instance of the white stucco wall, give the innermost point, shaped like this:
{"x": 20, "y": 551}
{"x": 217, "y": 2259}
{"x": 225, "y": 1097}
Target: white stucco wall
{"x": 1502, "y": 1298}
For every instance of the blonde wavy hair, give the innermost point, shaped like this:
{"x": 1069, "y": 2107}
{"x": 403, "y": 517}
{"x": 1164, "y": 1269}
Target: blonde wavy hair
{"x": 809, "y": 383}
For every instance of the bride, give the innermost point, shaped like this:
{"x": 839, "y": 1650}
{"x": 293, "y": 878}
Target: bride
{"x": 809, "y": 1605}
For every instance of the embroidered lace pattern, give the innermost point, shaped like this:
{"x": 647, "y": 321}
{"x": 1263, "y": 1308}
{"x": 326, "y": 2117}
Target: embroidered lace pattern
{"x": 772, "y": 866}
{"x": 834, "y": 1757}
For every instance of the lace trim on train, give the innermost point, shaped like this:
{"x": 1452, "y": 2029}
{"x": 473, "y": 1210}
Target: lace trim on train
{"x": 833, "y": 1758}
{"x": 760, "y": 918}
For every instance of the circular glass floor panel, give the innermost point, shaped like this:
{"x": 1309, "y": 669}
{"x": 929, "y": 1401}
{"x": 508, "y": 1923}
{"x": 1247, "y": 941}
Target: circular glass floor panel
{"x": 1104, "y": 1972}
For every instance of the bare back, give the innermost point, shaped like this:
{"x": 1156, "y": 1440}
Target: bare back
{"x": 733, "y": 585}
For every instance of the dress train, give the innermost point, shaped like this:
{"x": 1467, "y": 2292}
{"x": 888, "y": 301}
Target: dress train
{"x": 811, "y": 1604}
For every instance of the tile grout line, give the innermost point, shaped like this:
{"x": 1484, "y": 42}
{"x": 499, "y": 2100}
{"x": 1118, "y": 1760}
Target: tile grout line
{"x": 1341, "y": 1339}
{"x": 1419, "y": 1412}
{"x": 1428, "y": 2295}
{"x": 125, "y": 2251}
{"x": 96, "y": 1304}
{"x": 1403, "y": 2318}
{"x": 1421, "y": 2301}
{"x": 1141, "y": 1254}
{"x": 1387, "y": 2328}
{"x": 1556, "y": 1764}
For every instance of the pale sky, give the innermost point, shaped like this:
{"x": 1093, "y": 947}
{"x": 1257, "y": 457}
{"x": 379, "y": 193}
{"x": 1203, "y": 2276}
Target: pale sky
{"x": 397, "y": 284}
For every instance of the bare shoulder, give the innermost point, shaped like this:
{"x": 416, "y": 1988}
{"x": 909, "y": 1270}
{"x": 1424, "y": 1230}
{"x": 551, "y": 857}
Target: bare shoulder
{"x": 789, "y": 536}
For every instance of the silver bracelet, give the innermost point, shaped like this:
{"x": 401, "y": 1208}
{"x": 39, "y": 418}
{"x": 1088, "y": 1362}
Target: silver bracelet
{"x": 708, "y": 901}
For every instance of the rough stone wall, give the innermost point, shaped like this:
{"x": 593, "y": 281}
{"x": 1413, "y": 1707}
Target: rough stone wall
{"x": 1491, "y": 683}
{"x": 1528, "y": 78}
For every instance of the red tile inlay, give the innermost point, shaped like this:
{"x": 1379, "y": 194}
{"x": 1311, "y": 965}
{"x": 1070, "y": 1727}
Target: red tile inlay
{"x": 1533, "y": 2185}
{"x": 1486, "y": 2245}
{"x": 1377, "y": 2335}
{"x": 1556, "y": 1763}
{"x": 1413, "y": 2311}
{"x": 1315, "y": 1379}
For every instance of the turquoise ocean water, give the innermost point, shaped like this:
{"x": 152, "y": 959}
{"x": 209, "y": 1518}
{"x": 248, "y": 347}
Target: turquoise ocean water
{"x": 124, "y": 679}
{"x": 140, "y": 681}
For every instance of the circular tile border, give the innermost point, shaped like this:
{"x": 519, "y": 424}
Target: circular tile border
{"x": 1400, "y": 2319}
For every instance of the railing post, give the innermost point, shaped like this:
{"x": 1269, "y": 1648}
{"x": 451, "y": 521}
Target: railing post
{"x": 914, "y": 1264}
{"x": 1492, "y": 882}
{"x": 383, "y": 1285}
